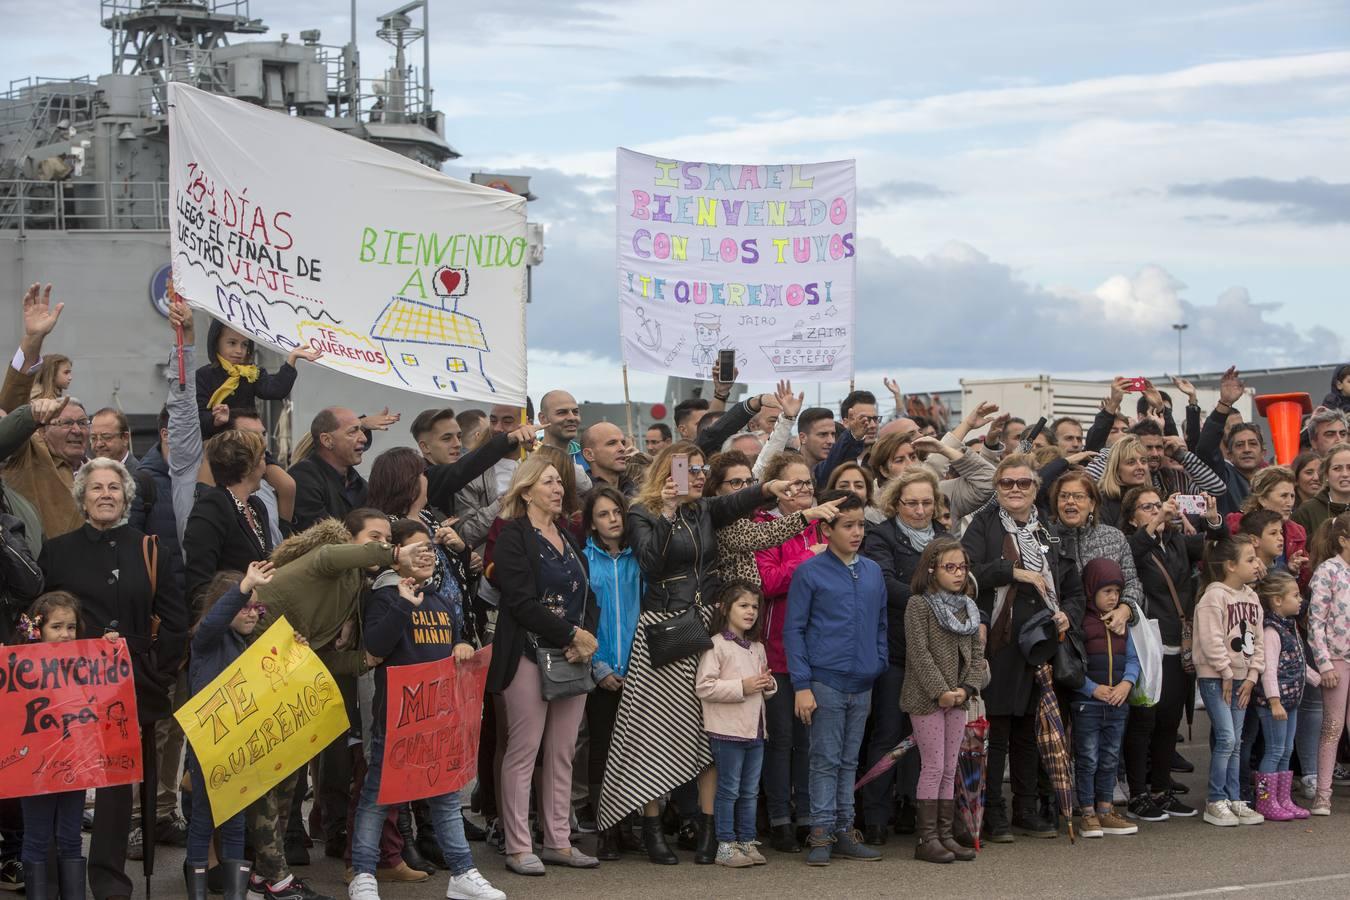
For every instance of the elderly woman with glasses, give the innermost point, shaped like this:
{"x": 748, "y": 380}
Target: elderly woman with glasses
{"x": 1020, "y": 572}
{"x": 125, "y": 584}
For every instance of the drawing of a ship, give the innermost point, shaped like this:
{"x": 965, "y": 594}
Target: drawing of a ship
{"x": 802, "y": 354}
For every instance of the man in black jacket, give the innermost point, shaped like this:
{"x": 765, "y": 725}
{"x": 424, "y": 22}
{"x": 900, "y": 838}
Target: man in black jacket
{"x": 327, "y": 484}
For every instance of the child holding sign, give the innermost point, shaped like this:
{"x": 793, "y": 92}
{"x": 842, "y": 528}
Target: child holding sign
{"x": 53, "y": 619}
{"x": 405, "y": 622}
{"x": 233, "y": 380}
{"x": 230, "y": 614}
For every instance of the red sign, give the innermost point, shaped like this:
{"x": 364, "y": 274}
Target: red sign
{"x": 432, "y": 720}
{"x": 70, "y": 718}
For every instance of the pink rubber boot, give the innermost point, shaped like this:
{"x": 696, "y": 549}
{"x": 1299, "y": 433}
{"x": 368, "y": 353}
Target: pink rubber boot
{"x": 1286, "y": 796}
{"x": 1266, "y": 796}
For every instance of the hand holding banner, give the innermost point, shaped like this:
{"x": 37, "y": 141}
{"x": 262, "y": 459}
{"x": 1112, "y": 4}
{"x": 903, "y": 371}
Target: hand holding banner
{"x": 434, "y": 713}
{"x": 270, "y": 712}
{"x": 71, "y": 714}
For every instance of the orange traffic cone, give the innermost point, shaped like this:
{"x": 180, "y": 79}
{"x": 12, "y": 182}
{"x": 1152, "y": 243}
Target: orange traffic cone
{"x": 1285, "y": 413}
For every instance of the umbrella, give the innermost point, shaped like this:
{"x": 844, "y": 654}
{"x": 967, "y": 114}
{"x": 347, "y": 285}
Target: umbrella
{"x": 971, "y": 762}
{"x": 149, "y": 788}
{"x": 1053, "y": 745}
{"x": 886, "y": 762}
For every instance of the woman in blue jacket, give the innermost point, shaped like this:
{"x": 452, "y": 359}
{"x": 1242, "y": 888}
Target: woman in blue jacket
{"x": 616, "y": 579}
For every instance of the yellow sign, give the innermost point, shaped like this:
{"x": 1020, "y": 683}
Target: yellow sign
{"x": 271, "y": 711}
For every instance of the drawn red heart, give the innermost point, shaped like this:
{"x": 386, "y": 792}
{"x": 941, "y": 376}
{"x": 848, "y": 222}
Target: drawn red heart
{"x": 274, "y": 651}
{"x": 449, "y": 280}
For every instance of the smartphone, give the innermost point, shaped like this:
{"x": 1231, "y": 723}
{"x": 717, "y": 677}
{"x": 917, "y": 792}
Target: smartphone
{"x": 1139, "y": 384}
{"x": 679, "y": 470}
{"x": 1191, "y": 504}
{"x": 726, "y": 366}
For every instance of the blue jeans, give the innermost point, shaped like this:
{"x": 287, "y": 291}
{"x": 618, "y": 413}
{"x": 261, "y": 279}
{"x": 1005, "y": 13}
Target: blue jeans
{"x": 1309, "y": 731}
{"x": 1098, "y": 732}
{"x": 1225, "y": 723}
{"x": 45, "y": 815}
{"x": 202, "y": 824}
{"x": 786, "y": 757}
{"x": 738, "y": 766}
{"x": 445, "y": 817}
{"x": 1279, "y": 739}
{"x": 836, "y": 738}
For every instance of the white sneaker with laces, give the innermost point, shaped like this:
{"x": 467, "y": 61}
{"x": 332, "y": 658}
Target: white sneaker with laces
{"x": 1219, "y": 813}
{"x": 471, "y": 885}
{"x": 363, "y": 887}
{"x": 1245, "y": 814}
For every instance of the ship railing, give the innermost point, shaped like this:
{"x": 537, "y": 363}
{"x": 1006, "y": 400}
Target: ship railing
{"x": 395, "y": 98}
{"x": 110, "y": 8}
{"x": 29, "y": 204}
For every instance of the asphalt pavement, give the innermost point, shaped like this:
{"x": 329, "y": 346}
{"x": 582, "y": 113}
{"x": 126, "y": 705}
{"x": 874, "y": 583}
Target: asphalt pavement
{"x": 1175, "y": 859}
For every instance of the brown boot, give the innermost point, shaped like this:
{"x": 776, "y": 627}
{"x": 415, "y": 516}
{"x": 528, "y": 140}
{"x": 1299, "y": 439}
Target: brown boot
{"x": 929, "y": 848}
{"x": 945, "y": 814}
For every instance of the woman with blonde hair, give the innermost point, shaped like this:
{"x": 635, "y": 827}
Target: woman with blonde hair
{"x": 1276, "y": 488}
{"x": 1126, "y": 467}
{"x": 660, "y": 718}
{"x": 546, "y": 604}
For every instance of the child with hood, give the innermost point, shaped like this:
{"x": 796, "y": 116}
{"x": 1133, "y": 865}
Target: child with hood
{"x": 232, "y": 380}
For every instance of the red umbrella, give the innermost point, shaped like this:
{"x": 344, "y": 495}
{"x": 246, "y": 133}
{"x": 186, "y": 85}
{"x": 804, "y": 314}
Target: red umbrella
{"x": 886, "y": 762}
{"x": 1053, "y": 745}
{"x": 971, "y": 763}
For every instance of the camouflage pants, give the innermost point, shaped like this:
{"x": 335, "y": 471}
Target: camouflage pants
{"x": 265, "y": 825}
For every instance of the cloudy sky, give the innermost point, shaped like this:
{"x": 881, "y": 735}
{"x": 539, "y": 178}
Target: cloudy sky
{"x": 1043, "y": 187}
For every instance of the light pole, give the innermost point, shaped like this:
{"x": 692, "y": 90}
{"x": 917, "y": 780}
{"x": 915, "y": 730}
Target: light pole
{"x": 1179, "y": 328}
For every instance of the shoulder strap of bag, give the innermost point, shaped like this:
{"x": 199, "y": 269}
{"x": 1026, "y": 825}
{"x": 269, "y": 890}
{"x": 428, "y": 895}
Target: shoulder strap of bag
{"x": 1171, "y": 588}
{"x": 150, "y": 554}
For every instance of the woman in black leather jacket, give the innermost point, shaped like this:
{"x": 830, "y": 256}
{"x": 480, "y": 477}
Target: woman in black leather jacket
{"x": 658, "y": 742}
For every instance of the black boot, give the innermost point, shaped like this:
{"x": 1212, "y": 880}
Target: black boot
{"x": 905, "y": 816}
{"x": 875, "y": 835}
{"x": 194, "y": 877}
{"x": 236, "y": 878}
{"x": 427, "y": 845}
{"x": 411, "y": 855}
{"x": 72, "y": 873}
{"x": 35, "y": 881}
{"x": 655, "y": 841}
{"x": 471, "y": 833}
{"x": 996, "y": 829}
{"x": 1027, "y": 820}
{"x": 607, "y": 844}
{"x": 706, "y": 852}
{"x": 783, "y": 838}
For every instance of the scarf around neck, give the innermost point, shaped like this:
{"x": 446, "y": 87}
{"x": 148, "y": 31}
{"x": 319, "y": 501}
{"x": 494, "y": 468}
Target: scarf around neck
{"x": 945, "y": 605}
{"x": 918, "y": 538}
{"x": 234, "y": 373}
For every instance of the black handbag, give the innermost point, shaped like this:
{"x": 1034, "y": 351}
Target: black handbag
{"x": 679, "y": 637}
{"x": 559, "y": 678}
{"x": 1070, "y": 662}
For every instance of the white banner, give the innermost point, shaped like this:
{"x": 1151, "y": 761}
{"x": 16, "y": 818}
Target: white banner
{"x": 755, "y": 259}
{"x": 297, "y": 235}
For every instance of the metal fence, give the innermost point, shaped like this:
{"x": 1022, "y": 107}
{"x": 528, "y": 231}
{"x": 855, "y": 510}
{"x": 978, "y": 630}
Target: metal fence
{"x": 84, "y": 205}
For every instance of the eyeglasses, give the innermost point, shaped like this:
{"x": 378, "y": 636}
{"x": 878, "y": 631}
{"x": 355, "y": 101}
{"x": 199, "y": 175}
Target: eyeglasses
{"x": 258, "y": 608}
{"x": 1022, "y": 484}
{"x": 875, "y": 420}
{"x": 1149, "y": 507}
{"x": 917, "y": 504}
{"x": 954, "y": 568}
{"x": 70, "y": 423}
{"x": 699, "y": 470}
{"x": 103, "y": 437}
{"x": 738, "y": 483}
{"x": 1075, "y": 497}
{"x": 799, "y": 485}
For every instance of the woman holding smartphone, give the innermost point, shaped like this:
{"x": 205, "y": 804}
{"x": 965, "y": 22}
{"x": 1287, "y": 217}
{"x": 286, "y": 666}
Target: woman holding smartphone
{"x": 658, "y": 741}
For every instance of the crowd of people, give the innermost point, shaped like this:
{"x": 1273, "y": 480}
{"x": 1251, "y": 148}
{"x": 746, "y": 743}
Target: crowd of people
{"x": 765, "y": 600}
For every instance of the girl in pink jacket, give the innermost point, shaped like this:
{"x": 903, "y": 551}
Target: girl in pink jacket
{"x": 732, "y": 681}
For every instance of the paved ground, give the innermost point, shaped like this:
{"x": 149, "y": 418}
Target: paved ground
{"x": 1175, "y": 859}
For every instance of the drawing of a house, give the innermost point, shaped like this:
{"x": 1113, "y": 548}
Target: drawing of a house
{"x": 430, "y": 342}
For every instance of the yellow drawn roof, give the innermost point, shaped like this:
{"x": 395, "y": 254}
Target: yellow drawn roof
{"x": 422, "y": 323}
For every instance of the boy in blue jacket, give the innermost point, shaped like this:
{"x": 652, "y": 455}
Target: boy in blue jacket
{"x": 835, "y": 638}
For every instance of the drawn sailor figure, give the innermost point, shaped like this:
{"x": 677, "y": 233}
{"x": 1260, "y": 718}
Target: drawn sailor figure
{"x": 707, "y": 333}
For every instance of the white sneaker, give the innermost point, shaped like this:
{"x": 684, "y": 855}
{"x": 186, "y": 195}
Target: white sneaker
{"x": 1307, "y": 786}
{"x": 1246, "y": 815}
{"x": 472, "y": 886}
{"x": 1219, "y": 813}
{"x": 363, "y": 887}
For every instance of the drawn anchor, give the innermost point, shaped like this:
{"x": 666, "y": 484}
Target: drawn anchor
{"x": 650, "y": 336}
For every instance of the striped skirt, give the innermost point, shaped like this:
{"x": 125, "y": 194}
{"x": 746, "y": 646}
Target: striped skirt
{"x": 658, "y": 742}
